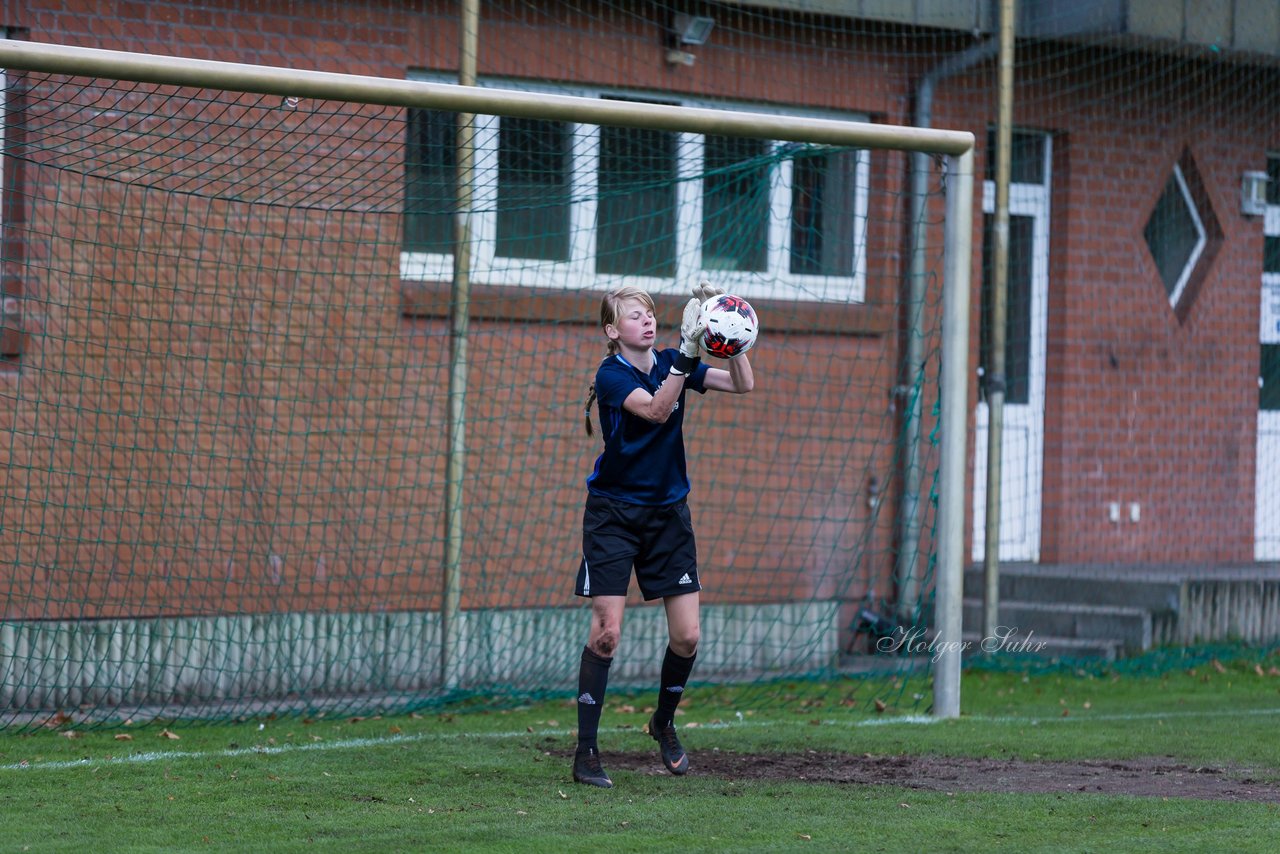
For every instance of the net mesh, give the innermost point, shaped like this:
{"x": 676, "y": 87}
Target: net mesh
{"x": 229, "y": 437}
{"x": 225, "y": 343}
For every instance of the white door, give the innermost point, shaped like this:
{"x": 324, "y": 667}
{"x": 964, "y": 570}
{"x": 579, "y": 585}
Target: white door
{"x": 1266, "y": 516}
{"x": 1028, "y": 284}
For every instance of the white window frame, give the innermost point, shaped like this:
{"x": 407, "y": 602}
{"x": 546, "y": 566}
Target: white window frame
{"x": 1266, "y": 484}
{"x": 775, "y": 282}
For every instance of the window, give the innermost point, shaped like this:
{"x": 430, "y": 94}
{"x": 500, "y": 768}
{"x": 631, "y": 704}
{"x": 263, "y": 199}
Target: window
{"x": 1273, "y": 180}
{"x": 1026, "y": 157}
{"x": 430, "y": 181}
{"x": 1175, "y": 234}
{"x": 564, "y": 205}
{"x": 735, "y": 204}
{"x": 533, "y": 190}
{"x": 1017, "y": 336}
{"x": 824, "y": 189}
{"x": 1183, "y": 235}
{"x": 636, "y": 213}
{"x": 1269, "y": 378}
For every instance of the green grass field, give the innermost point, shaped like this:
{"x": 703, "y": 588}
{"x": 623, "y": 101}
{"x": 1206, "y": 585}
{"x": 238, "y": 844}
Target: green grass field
{"x": 457, "y": 780}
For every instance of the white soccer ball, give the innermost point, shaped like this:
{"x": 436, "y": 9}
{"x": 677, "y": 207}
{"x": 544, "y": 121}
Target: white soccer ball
{"x": 732, "y": 326}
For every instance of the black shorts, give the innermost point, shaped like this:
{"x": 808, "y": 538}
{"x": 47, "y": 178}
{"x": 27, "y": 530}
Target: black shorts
{"x": 657, "y": 541}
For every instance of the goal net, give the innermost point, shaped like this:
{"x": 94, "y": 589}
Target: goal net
{"x": 272, "y": 445}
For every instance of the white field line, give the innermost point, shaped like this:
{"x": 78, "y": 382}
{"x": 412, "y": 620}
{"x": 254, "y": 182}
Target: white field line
{"x": 358, "y": 743}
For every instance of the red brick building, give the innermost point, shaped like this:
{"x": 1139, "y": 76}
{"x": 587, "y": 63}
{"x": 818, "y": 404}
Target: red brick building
{"x": 277, "y": 443}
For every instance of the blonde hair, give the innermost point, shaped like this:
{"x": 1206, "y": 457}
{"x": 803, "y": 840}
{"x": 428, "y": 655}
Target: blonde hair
{"x": 610, "y": 308}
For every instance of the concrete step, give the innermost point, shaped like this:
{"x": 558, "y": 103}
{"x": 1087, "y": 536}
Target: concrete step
{"x": 921, "y": 653}
{"x": 1043, "y": 647}
{"x": 1128, "y": 626}
{"x": 1118, "y": 586}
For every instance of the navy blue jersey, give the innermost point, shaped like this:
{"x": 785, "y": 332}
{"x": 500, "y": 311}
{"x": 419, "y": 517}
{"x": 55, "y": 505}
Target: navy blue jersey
{"x": 643, "y": 462}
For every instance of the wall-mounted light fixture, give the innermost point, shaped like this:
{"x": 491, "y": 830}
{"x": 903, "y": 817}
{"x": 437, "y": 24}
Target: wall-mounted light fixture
{"x": 692, "y": 29}
{"x": 687, "y": 30}
{"x": 1253, "y": 193}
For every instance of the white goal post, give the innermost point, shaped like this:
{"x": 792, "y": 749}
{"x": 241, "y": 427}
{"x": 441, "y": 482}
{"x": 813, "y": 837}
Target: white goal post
{"x": 955, "y": 146}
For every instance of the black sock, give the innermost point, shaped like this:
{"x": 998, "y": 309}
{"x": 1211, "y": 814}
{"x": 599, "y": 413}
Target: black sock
{"x": 593, "y": 678}
{"x": 675, "y": 672}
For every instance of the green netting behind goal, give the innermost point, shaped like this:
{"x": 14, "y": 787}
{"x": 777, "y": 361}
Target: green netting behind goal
{"x": 227, "y": 438}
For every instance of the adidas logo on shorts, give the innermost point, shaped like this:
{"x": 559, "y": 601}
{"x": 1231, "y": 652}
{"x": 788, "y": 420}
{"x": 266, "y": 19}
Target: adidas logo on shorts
{"x": 685, "y": 579}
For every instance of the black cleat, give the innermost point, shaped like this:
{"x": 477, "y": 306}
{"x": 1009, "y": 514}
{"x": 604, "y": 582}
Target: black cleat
{"x": 673, "y": 755}
{"x": 588, "y": 770}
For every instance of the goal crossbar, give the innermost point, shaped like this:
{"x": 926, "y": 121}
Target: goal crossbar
{"x": 269, "y": 80}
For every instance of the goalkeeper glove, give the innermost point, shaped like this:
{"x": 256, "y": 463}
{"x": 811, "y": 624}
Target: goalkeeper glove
{"x": 705, "y": 291}
{"x": 691, "y": 330}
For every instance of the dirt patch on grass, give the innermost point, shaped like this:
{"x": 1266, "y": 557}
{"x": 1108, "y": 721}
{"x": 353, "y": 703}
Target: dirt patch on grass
{"x": 1149, "y": 777}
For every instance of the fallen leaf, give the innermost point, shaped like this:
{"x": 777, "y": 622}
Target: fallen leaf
{"x": 563, "y": 795}
{"x": 58, "y": 719}
{"x": 123, "y": 736}
{"x": 167, "y": 733}
{"x": 69, "y": 733}
{"x": 1217, "y": 665}
{"x": 881, "y": 705}
{"x": 804, "y": 836}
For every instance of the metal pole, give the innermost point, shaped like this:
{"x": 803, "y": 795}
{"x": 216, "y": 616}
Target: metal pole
{"x": 908, "y": 594}
{"x": 912, "y": 378}
{"x": 954, "y": 423}
{"x": 263, "y": 79}
{"x": 994, "y": 378}
{"x": 459, "y": 317}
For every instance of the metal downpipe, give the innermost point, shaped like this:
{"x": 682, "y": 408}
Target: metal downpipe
{"x": 908, "y": 575}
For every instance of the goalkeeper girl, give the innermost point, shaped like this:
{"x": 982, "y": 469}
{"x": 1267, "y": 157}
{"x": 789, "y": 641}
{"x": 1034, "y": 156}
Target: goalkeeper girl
{"x": 636, "y": 515}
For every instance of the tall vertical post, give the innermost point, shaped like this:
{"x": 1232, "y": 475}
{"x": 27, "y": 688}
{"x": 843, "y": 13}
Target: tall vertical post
{"x": 994, "y": 380}
{"x": 910, "y": 387}
{"x": 459, "y": 319}
{"x": 957, "y": 262}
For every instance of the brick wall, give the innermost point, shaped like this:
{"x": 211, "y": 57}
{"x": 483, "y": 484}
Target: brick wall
{"x": 292, "y": 457}
{"x": 182, "y": 445}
